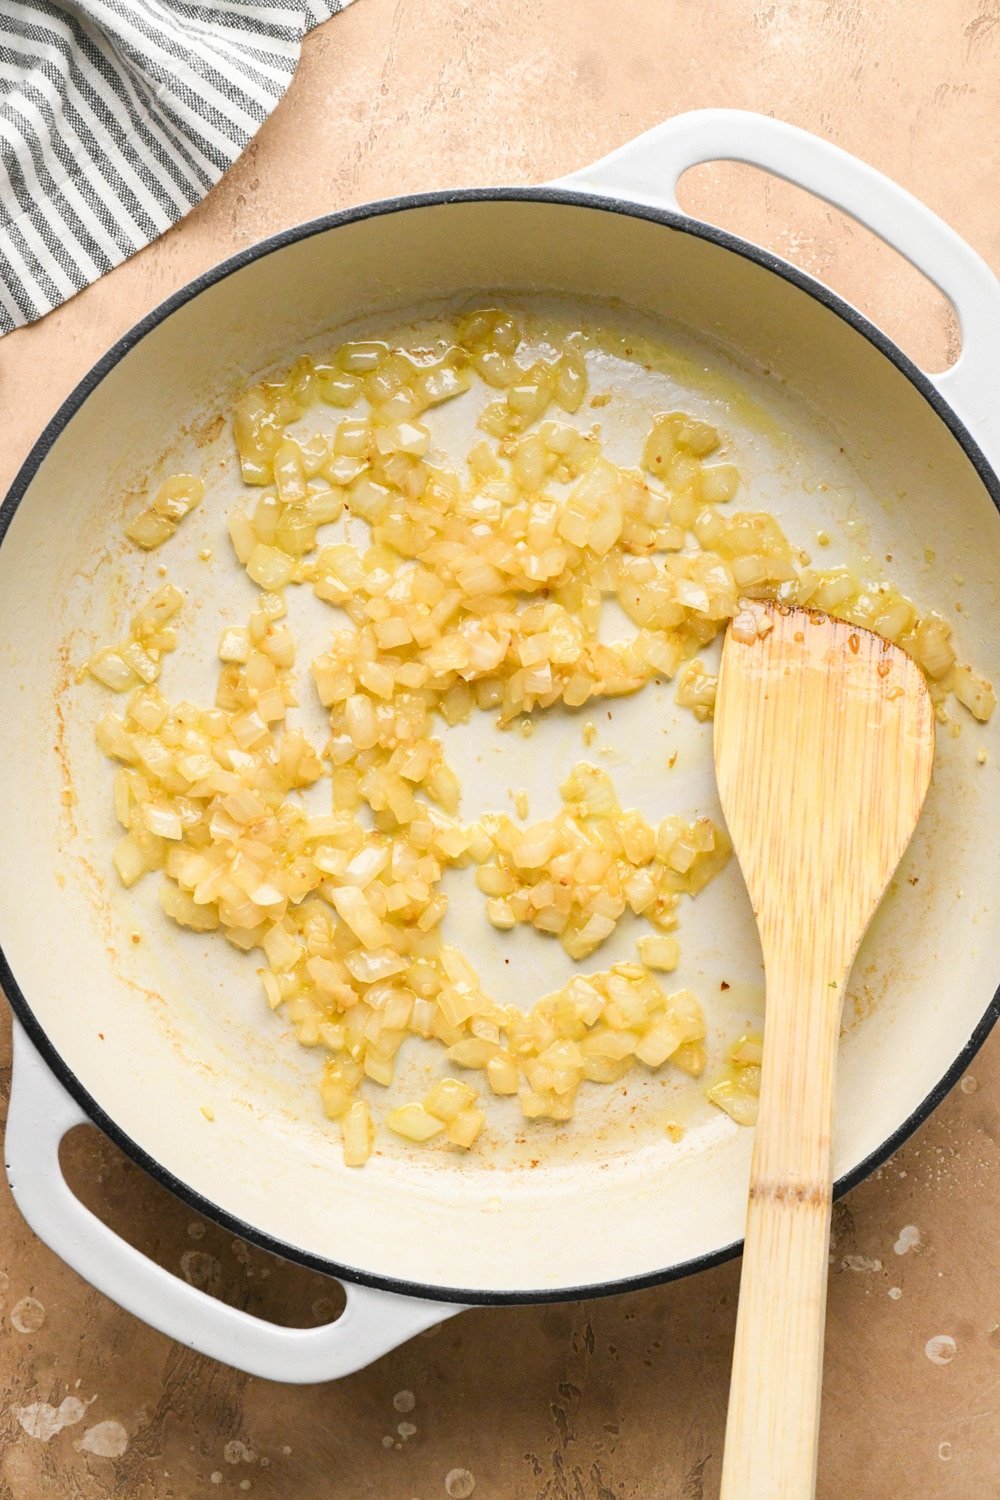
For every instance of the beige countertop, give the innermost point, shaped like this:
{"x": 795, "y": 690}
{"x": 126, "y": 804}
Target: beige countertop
{"x": 625, "y": 1397}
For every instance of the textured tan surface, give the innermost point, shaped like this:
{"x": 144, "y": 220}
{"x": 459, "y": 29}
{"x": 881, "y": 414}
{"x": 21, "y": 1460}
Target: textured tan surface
{"x": 622, "y": 1398}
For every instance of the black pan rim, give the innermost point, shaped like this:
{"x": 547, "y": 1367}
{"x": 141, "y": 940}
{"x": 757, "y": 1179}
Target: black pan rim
{"x": 672, "y": 219}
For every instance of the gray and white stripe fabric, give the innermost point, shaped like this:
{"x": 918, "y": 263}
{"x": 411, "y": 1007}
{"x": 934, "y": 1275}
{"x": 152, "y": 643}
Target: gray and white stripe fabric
{"x": 116, "y": 117}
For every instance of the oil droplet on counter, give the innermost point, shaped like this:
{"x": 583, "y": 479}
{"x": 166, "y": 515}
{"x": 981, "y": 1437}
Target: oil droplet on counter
{"x": 861, "y": 1263}
{"x": 28, "y": 1315}
{"x": 941, "y": 1349}
{"x": 944, "y": 1451}
{"x": 42, "y": 1421}
{"x": 404, "y": 1400}
{"x": 201, "y": 1270}
{"x": 968, "y": 1084}
{"x": 895, "y": 1292}
{"x": 909, "y": 1239}
{"x": 236, "y": 1452}
{"x": 105, "y": 1439}
{"x": 325, "y": 1310}
{"x": 459, "y": 1484}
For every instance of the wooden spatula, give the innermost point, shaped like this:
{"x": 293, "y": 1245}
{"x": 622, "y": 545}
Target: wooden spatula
{"x": 824, "y": 736}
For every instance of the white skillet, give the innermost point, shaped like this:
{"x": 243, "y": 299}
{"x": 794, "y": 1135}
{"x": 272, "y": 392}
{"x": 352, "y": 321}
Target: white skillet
{"x": 138, "y": 1037}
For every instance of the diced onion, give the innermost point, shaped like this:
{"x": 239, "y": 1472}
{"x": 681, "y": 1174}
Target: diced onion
{"x": 173, "y": 500}
{"x": 462, "y": 589}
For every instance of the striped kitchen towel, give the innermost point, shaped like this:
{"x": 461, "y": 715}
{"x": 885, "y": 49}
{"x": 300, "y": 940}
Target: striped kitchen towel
{"x": 116, "y": 117}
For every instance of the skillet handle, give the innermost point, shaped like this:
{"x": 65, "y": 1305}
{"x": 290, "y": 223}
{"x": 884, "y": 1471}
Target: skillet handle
{"x": 372, "y": 1323}
{"x": 648, "y": 169}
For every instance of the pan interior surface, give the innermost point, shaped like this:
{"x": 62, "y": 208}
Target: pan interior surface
{"x": 167, "y": 1032}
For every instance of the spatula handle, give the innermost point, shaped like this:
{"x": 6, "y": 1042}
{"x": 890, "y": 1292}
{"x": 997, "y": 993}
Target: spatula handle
{"x": 773, "y": 1423}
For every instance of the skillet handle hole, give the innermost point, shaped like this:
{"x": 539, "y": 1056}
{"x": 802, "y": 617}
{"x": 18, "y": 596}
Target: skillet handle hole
{"x": 196, "y": 1249}
{"x": 828, "y": 244}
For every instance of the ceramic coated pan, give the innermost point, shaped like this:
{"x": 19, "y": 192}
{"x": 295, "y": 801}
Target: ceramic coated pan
{"x": 833, "y": 427}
